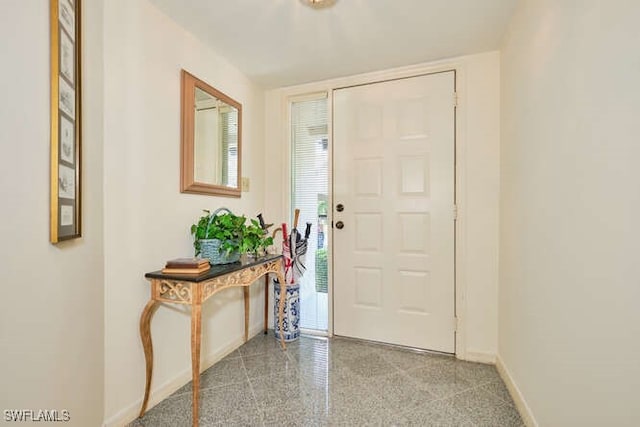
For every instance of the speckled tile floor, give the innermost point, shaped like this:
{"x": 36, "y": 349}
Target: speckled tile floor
{"x": 319, "y": 382}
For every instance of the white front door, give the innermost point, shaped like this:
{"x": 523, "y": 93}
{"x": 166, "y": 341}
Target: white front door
{"x": 393, "y": 155}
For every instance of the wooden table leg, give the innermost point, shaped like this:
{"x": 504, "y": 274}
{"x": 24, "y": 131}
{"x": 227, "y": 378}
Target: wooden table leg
{"x": 246, "y": 313}
{"x": 266, "y": 303}
{"x": 283, "y": 297}
{"x": 196, "y": 335}
{"x": 145, "y": 336}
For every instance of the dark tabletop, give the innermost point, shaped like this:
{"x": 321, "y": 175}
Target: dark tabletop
{"x": 214, "y": 271}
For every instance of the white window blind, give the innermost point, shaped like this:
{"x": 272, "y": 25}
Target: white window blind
{"x": 229, "y": 130}
{"x": 310, "y": 188}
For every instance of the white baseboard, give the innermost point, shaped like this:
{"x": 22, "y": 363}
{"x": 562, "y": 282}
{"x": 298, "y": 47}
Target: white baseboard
{"x": 516, "y": 395}
{"x": 161, "y": 392}
{"x": 479, "y": 356}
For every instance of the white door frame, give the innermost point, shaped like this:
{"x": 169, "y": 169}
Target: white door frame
{"x": 297, "y": 93}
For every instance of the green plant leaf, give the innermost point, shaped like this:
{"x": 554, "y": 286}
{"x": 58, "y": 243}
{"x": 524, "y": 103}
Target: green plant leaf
{"x": 233, "y": 231}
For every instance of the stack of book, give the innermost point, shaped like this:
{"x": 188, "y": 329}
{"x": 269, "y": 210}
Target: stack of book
{"x": 186, "y": 266}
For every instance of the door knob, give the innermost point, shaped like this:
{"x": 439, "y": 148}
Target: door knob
{"x": 339, "y": 225}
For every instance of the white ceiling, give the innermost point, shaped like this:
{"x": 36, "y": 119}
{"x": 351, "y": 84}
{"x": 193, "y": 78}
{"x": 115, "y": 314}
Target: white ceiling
{"x": 282, "y": 42}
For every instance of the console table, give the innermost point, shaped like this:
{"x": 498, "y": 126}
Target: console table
{"x": 193, "y": 291}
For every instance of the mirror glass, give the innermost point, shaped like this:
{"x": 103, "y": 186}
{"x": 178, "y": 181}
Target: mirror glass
{"x": 211, "y": 139}
{"x": 215, "y": 141}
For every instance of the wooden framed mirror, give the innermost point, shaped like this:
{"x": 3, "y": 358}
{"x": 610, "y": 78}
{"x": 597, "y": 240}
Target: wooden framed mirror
{"x": 211, "y": 147}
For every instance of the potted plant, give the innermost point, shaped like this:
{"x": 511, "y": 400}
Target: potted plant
{"x": 255, "y": 239}
{"x": 218, "y": 236}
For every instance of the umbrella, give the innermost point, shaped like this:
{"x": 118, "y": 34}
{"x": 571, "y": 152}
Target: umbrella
{"x": 264, "y": 226}
{"x": 287, "y": 254}
{"x": 300, "y": 254}
{"x": 294, "y": 239}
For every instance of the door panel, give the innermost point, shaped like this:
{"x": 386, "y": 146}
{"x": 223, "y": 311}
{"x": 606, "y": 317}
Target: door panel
{"x": 394, "y": 150}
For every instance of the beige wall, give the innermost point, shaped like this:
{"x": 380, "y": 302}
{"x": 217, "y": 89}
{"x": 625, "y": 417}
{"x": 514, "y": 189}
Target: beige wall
{"x": 569, "y": 288}
{"x": 147, "y": 219}
{"x": 478, "y": 146}
{"x": 51, "y": 322}
{"x": 480, "y": 167}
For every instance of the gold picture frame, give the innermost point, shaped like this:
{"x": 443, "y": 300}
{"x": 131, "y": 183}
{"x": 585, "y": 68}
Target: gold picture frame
{"x": 66, "y": 130}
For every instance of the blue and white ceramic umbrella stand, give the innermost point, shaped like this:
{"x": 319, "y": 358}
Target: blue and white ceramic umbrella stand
{"x": 291, "y": 321}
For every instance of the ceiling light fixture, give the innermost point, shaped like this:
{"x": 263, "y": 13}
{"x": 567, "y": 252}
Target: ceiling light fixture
{"x": 319, "y": 4}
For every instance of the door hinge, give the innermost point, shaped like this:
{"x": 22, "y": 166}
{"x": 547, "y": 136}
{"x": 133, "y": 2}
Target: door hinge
{"x": 455, "y": 99}
{"x": 455, "y": 212}
{"x": 455, "y": 324}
